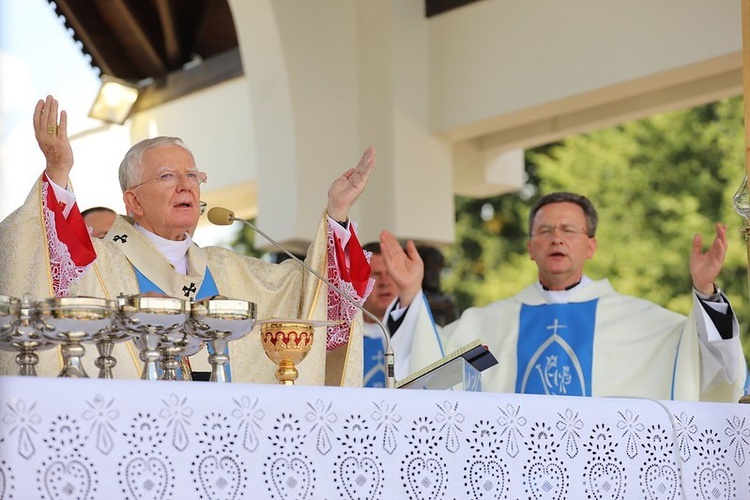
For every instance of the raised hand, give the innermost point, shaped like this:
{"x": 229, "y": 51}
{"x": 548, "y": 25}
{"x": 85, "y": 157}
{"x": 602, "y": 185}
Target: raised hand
{"x": 345, "y": 190}
{"x": 705, "y": 266}
{"x": 52, "y": 137}
{"x": 405, "y": 268}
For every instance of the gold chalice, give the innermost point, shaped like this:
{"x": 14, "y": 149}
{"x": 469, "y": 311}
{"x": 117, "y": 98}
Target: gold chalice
{"x": 287, "y": 342}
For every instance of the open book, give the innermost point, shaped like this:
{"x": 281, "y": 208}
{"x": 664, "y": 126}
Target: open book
{"x": 474, "y": 353}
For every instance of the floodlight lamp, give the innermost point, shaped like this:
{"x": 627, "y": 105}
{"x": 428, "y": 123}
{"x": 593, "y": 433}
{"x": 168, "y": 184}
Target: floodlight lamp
{"x": 115, "y": 100}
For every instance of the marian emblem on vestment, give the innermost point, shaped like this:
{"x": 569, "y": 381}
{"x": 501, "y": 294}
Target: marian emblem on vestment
{"x": 555, "y": 347}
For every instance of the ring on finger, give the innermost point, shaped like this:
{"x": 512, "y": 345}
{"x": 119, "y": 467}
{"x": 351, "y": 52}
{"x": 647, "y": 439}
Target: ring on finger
{"x": 51, "y": 129}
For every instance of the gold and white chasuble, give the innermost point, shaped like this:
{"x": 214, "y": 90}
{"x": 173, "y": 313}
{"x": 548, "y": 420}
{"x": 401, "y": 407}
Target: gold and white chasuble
{"x": 598, "y": 343}
{"x": 34, "y": 260}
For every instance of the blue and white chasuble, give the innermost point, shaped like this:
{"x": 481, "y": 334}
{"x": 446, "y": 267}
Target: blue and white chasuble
{"x": 555, "y": 348}
{"x": 641, "y": 349}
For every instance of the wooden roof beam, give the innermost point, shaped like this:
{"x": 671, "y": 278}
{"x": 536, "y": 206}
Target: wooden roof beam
{"x": 149, "y": 54}
{"x": 172, "y": 46}
{"x": 202, "y": 18}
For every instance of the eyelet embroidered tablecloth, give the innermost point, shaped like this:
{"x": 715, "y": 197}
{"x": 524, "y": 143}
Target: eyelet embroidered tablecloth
{"x": 91, "y": 439}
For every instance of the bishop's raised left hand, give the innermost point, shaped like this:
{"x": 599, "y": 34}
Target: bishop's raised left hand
{"x": 345, "y": 190}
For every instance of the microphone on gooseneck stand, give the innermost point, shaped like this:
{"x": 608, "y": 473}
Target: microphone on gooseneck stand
{"x": 224, "y": 217}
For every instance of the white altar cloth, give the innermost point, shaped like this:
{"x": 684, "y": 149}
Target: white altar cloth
{"x": 81, "y": 439}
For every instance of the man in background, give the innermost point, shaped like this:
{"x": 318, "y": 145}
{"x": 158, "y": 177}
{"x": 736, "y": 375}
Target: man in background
{"x": 383, "y": 293}
{"x": 99, "y": 220}
{"x": 444, "y": 310}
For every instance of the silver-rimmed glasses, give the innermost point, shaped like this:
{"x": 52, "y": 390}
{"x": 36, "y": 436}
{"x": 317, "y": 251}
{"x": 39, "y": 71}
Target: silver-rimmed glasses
{"x": 172, "y": 178}
{"x": 566, "y": 230}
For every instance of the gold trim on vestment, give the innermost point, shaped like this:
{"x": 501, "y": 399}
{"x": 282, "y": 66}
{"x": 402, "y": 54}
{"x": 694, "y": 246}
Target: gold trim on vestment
{"x": 311, "y": 312}
{"x": 100, "y": 280}
{"x": 335, "y": 354}
{"x": 130, "y": 343}
{"x": 48, "y": 268}
{"x": 135, "y": 355}
{"x": 60, "y": 360}
{"x": 41, "y": 206}
{"x": 334, "y": 361}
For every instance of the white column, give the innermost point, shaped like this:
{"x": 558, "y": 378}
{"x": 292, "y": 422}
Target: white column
{"x": 327, "y": 79}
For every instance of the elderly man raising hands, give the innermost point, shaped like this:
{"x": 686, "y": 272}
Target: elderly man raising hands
{"x": 48, "y": 252}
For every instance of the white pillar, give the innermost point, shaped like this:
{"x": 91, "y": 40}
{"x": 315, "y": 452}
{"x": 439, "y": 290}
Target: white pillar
{"x": 327, "y": 79}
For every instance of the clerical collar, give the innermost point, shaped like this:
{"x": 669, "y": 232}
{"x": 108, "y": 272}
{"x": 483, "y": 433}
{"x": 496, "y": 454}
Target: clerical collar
{"x": 174, "y": 251}
{"x": 544, "y": 287}
{"x": 562, "y": 296}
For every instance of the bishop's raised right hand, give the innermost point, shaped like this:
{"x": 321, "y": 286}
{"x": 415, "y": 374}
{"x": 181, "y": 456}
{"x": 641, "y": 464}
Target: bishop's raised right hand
{"x": 52, "y": 137}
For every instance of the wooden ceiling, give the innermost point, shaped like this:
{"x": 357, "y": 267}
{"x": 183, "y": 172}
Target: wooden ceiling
{"x": 159, "y": 43}
{"x": 138, "y": 39}
{"x": 435, "y": 7}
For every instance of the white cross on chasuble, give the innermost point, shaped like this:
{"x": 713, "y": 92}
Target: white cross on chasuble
{"x": 555, "y": 348}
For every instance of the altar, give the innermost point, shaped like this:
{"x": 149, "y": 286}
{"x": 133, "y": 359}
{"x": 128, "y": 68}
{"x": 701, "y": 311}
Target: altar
{"x": 91, "y": 439}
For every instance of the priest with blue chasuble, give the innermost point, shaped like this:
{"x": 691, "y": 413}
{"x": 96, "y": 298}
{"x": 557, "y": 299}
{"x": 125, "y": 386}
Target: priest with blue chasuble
{"x": 48, "y": 251}
{"x": 567, "y": 334}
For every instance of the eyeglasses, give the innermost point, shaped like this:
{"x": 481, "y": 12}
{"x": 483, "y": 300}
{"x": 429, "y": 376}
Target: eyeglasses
{"x": 171, "y": 178}
{"x": 567, "y": 231}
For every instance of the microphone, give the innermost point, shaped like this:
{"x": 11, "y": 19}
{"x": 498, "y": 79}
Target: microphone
{"x": 224, "y": 217}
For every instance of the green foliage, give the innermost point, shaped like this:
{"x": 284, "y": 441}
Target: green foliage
{"x": 243, "y": 243}
{"x": 655, "y": 182}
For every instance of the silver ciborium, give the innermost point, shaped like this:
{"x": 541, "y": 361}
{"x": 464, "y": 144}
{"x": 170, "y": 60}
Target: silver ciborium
{"x": 219, "y": 321}
{"x": 158, "y": 325}
{"x": 105, "y": 345}
{"x": 71, "y": 321}
{"x": 23, "y": 338}
{"x": 10, "y": 310}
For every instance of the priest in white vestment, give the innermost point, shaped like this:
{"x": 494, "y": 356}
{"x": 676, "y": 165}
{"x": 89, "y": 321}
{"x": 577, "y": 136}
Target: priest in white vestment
{"x": 567, "y": 334}
{"x": 47, "y": 251}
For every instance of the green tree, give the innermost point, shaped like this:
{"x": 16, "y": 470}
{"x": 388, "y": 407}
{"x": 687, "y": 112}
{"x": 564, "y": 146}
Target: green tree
{"x": 244, "y": 242}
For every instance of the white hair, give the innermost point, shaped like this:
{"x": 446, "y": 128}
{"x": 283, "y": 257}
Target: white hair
{"x": 131, "y": 167}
